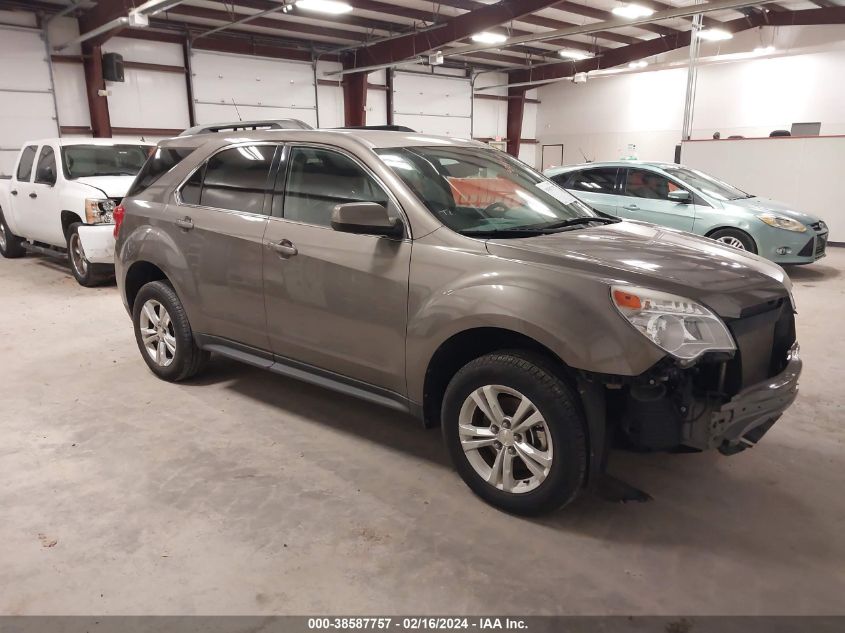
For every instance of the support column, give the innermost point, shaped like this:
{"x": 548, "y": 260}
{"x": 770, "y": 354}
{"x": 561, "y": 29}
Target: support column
{"x": 355, "y": 99}
{"x": 98, "y": 107}
{"x": 516, "y": 110}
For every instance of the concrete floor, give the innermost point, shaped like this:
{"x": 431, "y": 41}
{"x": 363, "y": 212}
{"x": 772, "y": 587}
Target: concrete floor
{"x": 247, "y": 493}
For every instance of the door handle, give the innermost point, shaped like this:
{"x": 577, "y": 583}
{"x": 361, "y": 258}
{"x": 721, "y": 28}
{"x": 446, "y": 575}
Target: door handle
{"x": 631, "y": 207}
{"x": 33, "y": 195}
{"x": 14, "y": 192}
{"x": 284, "y": 248}
{"x": 185, "y": 223}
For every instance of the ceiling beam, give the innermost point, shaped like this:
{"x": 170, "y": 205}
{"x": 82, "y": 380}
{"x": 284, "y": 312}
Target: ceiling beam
{"x": 601, "y": 14}
{"x": 455, "y": 29}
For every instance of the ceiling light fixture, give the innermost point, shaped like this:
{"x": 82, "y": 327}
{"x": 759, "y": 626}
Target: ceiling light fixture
{"x": 632, "y": 11}
{"x": 334, "y": 7}
{"x": 714, "y": 35}
{"x": 574, "y": 55}
{"x": 764, "y": 50}
{"x": 486, "y": 37}
{"x": 638, "y": 64}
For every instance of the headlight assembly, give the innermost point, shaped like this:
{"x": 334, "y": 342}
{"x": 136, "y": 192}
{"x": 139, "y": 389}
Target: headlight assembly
{"x": 780, "y": 222}
{"x": 683, "y": 328}
{"x": 99, "y": 211}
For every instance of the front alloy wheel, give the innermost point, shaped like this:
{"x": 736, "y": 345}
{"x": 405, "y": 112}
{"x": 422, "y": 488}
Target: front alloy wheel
{"x": 157, "y": 333}
{"x": 730, "y": 240}
{"x": 77, "y": 255}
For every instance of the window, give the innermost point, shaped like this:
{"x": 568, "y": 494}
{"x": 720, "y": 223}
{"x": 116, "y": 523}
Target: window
{"x": 161, "y": 161}
{"x": 234, "y": 179}
{"x": 25, "y": 164}
{"x": 82, "y": 161}
{"x": 45, "y": 171}
{"x": 319, "y": 179}
{"x": 599, "y": 180}
{"x": 641, "y": 183}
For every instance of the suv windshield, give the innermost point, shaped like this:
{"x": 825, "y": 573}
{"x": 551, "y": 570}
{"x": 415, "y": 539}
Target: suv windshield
{"x": 707, "y": 184}
{"x": 81, "y": 161}
{"x": 478, "y": 191}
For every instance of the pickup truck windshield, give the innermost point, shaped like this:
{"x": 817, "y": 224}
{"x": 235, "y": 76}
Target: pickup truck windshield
{"x": 81, "y": 161}
{"x": 485, "y": 192}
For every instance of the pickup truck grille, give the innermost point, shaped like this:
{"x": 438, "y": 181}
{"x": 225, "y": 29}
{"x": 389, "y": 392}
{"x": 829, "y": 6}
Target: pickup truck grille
{"x": 763, "y": 334}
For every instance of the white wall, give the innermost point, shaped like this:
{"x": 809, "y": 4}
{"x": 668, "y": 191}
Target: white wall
{"x": 433, "y": 103}
{"x": 747, "y": 96}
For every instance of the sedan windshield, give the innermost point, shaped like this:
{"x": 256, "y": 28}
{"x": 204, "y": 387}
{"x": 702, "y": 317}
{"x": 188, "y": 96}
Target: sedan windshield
{"x": 81, "y": 161}
{"x": 707, "y": 184}
{"x": 483, "y": 192}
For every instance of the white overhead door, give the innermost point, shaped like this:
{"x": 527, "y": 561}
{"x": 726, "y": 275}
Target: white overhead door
{"x": 27, "y": 107}
{"x": 240, "y": 87}
{"x": 433, "y": 104}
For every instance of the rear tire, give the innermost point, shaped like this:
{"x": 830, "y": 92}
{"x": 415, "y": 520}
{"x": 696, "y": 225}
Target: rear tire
{"x": 11, "y": 246}
{"x": 164, "y": 335}
{"x": 86, "y": 273}
{"x": 530, "y": 457}
{"x": 739, "y": 240}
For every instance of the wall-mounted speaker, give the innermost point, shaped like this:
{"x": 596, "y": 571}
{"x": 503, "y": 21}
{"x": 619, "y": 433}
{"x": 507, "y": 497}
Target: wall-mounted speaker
{"x": 113, "y": 67}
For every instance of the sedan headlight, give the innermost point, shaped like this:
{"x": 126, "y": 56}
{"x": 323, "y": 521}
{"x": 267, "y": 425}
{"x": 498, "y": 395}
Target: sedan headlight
{"x": 99, "y": 211}
{"x": 683, "y": 328}
{"x": 780, "y": 222}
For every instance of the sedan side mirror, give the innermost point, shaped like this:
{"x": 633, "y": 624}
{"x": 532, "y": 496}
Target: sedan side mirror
{"x": 367, "y": 218}
{"x": 681, "y": 196}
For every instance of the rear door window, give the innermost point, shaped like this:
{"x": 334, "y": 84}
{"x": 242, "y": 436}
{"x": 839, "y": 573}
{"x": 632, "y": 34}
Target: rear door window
{"x": 598, "y": 180}
{"x": 24, "y": 172}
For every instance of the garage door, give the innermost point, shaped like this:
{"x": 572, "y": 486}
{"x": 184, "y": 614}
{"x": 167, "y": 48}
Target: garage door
{"x": 240, "y": 87}
{"x": 433, "y": 104}
{"x": 27, "y": 107}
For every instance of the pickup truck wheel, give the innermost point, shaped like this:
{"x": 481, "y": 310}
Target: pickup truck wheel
{"x": 164, "y": 335}
{"x": 515, "y": 433}
{"x": 86, "y": 273}
{"x": 11, "y": 246}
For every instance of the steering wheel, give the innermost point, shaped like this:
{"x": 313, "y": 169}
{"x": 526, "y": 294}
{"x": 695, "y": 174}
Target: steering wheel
{"x": 497, "y": 206}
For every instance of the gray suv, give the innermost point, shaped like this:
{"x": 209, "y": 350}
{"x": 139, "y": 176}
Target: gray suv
{"x": 446, "y": 279}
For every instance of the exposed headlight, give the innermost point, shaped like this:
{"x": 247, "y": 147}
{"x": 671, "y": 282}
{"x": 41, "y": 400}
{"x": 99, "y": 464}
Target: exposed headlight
{"x": 780, "y": 222}
{"x": 680, "y": 326}
{"x": 99, "y": 211}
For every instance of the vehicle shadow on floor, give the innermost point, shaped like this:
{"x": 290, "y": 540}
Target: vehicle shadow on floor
{"x": 811, "y": 272}
{"x": 735, "y": 504}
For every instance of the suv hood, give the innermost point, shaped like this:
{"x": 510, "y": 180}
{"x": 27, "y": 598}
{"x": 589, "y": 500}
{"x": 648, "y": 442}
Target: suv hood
{"x": 762, "y": 205}
{"x": 112, "y": 186}
{"x": 725, "y": 279}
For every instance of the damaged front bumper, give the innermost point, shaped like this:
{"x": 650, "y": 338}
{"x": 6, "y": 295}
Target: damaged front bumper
{"x": 745, "y": 418}
{"x": 97, "y": 243}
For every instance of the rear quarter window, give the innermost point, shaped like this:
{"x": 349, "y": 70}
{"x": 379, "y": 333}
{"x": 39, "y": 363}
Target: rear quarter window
{"x": 161, "y": 161}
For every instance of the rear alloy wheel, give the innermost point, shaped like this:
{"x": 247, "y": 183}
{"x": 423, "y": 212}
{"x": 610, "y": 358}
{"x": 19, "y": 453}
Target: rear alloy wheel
{"x": 736, "y": 239}
{"x": 515, "y": 433}
{"x": 86, "y": 273}
{"x": 11, "y": 246}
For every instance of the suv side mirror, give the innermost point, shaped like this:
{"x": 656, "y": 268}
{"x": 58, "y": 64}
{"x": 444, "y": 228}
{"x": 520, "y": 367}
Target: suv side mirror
{"x": 681, "y": 196}
{"x": 368, "y": 218}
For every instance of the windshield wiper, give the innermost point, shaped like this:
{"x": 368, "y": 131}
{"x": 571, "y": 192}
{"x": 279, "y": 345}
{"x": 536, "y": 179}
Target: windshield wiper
{"x": 576, "y": 221}
{"x": 519, "y": 231}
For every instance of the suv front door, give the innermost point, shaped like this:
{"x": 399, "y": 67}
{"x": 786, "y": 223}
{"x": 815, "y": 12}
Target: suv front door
{"x": 335, "y": 301}
{"x": 647, "y": 198}
{"x": 217, "y": 223}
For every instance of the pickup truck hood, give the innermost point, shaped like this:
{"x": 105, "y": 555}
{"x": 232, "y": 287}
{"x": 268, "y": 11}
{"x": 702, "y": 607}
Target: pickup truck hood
{"x": 723, "y": 278}
{"x": 762, "y": 205}
{"x": 111, "y": 186}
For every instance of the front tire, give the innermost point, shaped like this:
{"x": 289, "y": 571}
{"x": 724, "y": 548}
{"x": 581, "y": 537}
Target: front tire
{"x": 11, "y": 246}
{"x": 86, "y": 273}
{"x": 164, "y": 335}
{"x": 735, "y": 238}
{"x": 515, "y": 433}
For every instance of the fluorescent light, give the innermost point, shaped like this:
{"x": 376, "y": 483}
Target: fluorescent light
{"x": 632, "y": 11}
{"x": 764, "y": 50}
{"x": 486, "y": 37}
{"x": 714, "y": 35}
{"x": 335, "y": 7}
{"x": 638, "y": 64}
{"x": 574, "y": 55}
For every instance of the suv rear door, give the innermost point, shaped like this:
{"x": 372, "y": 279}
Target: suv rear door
{"x": 335, "y": 301}
{"x": 217, "y": 222}
{"x": 596, "y": 186}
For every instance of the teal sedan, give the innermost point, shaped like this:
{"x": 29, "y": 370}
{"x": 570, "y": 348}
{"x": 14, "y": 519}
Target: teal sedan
{"x": 687, "y": 199}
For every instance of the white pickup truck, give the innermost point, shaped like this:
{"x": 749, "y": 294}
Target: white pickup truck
{"x": 60, "y": 199}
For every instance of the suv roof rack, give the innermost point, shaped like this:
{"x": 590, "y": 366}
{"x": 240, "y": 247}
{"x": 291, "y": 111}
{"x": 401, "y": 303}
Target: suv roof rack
{"x": 387, "y": 128}
{"x": 237, "y": 126}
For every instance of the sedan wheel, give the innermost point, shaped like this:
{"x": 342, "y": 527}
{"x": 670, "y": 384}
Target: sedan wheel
{"x": 505, "y": 438}
{"x": 157, "y": 334}
{"x": 730, "y": 240}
